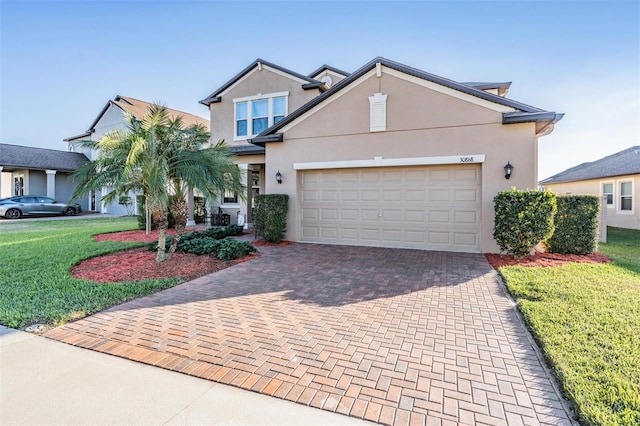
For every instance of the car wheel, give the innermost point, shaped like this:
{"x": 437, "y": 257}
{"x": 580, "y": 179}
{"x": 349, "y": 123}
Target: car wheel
{"x": 13, "y": 214}
{"x": 69, "y": 211}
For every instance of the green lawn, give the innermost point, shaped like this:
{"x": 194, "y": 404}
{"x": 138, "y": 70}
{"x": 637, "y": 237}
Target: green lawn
{"x": 35, "y": 260}
{"x": 586, "y": 318}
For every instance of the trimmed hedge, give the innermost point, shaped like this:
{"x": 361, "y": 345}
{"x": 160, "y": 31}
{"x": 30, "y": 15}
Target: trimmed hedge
{"x": 523, "y": 219}
{"x": 576, "y": 224}
{"x": 270, "y": 218}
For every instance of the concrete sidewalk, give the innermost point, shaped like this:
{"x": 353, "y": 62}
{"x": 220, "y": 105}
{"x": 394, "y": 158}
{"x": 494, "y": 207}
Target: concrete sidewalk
{"x": 46, "y": 382}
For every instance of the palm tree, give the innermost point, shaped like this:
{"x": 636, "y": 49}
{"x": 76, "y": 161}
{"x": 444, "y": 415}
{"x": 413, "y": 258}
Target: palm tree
{"x": 161, "y": 159}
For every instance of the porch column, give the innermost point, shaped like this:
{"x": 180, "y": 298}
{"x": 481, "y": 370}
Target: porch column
{"x": 190, "y": 204}
{"x": 51, "y": 183}
{"x": 1, "y": 168}
{"x": 245, "y": 207}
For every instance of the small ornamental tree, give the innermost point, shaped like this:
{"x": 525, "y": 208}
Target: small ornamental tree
{"x": 576, "y": 223}
{"x": 523, "y": 219}
{"x": 270, "y": 217}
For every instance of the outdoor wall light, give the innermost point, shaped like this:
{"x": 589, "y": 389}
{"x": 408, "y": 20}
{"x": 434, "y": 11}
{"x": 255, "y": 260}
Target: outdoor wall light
{"x": 279, "y": 177}
{"x": 508, "y": 169}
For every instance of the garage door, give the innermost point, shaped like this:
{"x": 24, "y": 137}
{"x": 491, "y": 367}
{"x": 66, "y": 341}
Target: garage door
{"x": 426, "y": 207}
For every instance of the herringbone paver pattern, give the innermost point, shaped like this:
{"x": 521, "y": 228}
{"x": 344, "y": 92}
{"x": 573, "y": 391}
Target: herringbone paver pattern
{"x": 388, "y": 335}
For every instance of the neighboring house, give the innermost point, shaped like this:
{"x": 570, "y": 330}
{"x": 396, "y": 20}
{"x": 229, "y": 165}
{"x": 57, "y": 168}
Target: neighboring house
{"x": 112, "y": 117}
{"x": 388, "y": 155}
{"x": 616, "y": 178}
{"x": 26, "y": 170}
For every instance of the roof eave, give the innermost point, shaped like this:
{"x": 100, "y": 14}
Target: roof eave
{"x": 318, "y": 85}
{"x": 239, "y": 151}
{"x": 210, "y": 100}
{"x": 72, "y": 138}
{"x": 263, "y": 140}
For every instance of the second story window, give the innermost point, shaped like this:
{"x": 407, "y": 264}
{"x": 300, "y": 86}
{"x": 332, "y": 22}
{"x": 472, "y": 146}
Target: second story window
{"x": 255, "y": 114}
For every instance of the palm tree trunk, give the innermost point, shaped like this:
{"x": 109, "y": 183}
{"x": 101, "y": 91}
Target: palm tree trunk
{"x": 180, "y": 211}
{"x": 162, "y": 222}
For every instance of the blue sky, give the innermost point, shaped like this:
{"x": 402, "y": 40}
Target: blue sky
{"x": 61, "y": 61}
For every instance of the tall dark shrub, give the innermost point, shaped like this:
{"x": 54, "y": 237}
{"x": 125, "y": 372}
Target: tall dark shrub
{"x": 270, "y": 218}
{"x": 523, "y": 219}
{"x": 576, "y": 224}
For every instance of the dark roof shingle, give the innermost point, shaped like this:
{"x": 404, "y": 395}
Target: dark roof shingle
{"x": 27, "y": 157}
{"x": 621, "y": 163}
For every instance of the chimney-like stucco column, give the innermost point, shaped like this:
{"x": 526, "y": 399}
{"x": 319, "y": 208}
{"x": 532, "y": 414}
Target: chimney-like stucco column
{"x": 190, "y": 205}
{"x": 51, "y": 183}
{"x": 245, "y": 206}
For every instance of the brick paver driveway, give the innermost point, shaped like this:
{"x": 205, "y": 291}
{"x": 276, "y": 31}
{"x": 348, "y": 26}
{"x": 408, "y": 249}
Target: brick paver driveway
{"x": 388, "y": 335}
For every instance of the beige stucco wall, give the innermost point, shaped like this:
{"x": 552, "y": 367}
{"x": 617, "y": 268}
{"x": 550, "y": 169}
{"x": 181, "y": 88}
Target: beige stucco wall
{"x": 258, "y": 82}
{"x": 615, "y": 217}
{"x": 421, "y": 122}
{"x": 222, "y": 117}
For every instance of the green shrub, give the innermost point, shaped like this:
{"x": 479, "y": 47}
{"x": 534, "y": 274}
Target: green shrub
{"x": 576, "y": 224}
{"x": 199, "y": 246}
{"x": 232, "y": 230}
{"x": 213, "y": 241}
{"x": 214, "y": 232}
{"x": 270, "y": 217}
{"x": 225, "y": 249}
{"x": 523, "y": 219}
{"x": 231, "y": 248}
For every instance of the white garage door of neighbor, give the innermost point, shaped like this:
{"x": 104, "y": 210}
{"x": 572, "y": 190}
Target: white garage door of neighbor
{"x": 425, "y": 207}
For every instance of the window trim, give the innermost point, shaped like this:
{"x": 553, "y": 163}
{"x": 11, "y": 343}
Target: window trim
{"x": 619, "y": 197}
{"x": 613, "y": 192}
{"x": 249, "y": 99}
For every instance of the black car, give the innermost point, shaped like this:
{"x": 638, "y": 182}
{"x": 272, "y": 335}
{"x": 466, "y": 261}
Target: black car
{"x": 30, "y": 205}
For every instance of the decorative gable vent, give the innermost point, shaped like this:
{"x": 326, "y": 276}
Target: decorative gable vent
{"x": 378, "y": 112}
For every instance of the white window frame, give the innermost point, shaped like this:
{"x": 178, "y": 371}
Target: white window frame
{"x": 249, "y": 99}
{"x": 613, "y": 192}
{"x": 229, "y": 204}
{"x": 619, "y": 197}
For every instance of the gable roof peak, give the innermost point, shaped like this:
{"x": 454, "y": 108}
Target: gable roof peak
{"x": 139, "y": 108}
{"x": 325, "y": 67}
{"x": 523, "y": 113}
{"x": 216, "y": 96}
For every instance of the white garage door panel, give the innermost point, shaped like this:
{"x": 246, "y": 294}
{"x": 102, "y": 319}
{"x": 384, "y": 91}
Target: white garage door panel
{"x": 429, "y": 207}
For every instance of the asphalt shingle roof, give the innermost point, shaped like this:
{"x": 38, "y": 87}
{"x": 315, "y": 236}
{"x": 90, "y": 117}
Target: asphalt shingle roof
{"x": 27, "y": 157}
{"x": 621, "y": 163}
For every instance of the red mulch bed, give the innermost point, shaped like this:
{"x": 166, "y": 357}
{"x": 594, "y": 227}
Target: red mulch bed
{"x": 137, "y": 235}
{"x": 264, "y": 243}
{"x": 544, "y": 259}
{"x": 140, "y": 264}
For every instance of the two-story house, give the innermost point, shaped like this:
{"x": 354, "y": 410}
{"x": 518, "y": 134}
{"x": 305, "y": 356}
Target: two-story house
{"x": 388, "y": 155}
{"x": 110, "y": 118}
{"x": 255, "y": 99}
